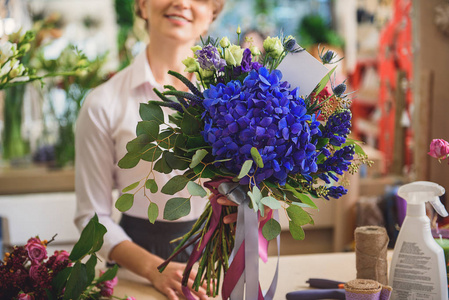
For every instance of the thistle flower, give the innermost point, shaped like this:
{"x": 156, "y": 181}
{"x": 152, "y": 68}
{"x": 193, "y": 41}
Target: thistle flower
{"x": 339, "y": 89}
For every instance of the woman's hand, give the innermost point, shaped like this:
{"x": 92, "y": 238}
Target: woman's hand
{"x": 232, "y": 218}
{"x": 169, "y": 282}
{"x": 143, "y": 263}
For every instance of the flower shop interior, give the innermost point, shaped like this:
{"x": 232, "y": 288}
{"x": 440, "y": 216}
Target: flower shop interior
{"x": 396, "y": 57}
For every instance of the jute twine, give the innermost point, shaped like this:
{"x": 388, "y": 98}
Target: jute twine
{"x": 363, "y": 286}
{"x": 371, "y": 253}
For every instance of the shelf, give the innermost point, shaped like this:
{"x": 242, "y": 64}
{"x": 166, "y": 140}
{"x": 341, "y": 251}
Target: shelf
{"x": 36, "y": 179}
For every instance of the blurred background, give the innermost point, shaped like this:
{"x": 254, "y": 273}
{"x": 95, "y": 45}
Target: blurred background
{"x": 396, "y": 60}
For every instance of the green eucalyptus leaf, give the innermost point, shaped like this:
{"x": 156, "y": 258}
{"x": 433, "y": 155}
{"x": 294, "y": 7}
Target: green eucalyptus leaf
{"x": 245, "y": 168}
{"x": 271, "y": 202}
{"x": 138, "y": 144}
{"x": 131, "y": 187}
{"x": 256, "y": 156}
{"x": 271, "y": 229}
{"x": 151, "y": 112}
{"x": 162, "y": 166}
{"x": 255, "y": 195}
{"x": 151, "y": 153}
{"x": 190, "y": 125}
{"x": 167, "y": 139}
{"x": 124, "y": 202}
{"x": 296, "y": 231}
{"x": 176, "y": 162}
{"x": 90, "y": 269}
{"x": 109, "y": 274}
{"x": 300, "y": 196}
{"x": 130, "y": 160}
{"x": 195, "y": 189}
{"x": 153, "y": 212}
{"x": 195, "y": 142}
{"x": 151, "y": 185}
{"x": 149, "y": 128}
{"x": 206, "y": 171}
{"x": 176, "y": 208}
{"x": 198, "y": 157}
{"x": 298, "y": 215}
{"x": 175, "y": 184}
{"x": 77, "y": 282}
{"x": 180, "y": 141}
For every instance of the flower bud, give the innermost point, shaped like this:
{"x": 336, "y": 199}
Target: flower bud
{"x": 24, "y": 48}
{"x": 439, "y": 148}
{"x": 191, "y": 65}
{"x": 273, "y": 47}
{"x": 239, "y": 30}
{"x": 224, "y": 42}
{"x": 254, "y": 50}
{"x": 234, "y": 55}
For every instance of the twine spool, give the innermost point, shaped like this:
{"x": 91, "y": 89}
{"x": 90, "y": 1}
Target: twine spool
{"x": 371, "y": 253}
{"x": 366, "y": 289}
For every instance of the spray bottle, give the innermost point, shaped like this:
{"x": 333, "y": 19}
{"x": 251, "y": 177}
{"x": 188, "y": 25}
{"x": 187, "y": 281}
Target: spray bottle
{"x": 418, "y": 269}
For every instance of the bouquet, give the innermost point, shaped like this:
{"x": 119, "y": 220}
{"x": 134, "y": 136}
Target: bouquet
{"x": 244, "y": 126}
{"x": 29, "y": 273}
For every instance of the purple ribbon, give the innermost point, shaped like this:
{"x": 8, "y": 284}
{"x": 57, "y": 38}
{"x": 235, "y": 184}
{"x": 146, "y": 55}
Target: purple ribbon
{"x": 199, "y": 247}
{"x": 244, "y": 259}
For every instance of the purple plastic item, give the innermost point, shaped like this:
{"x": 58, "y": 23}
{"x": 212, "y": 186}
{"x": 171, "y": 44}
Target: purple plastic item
{"x": 401, "y": 206}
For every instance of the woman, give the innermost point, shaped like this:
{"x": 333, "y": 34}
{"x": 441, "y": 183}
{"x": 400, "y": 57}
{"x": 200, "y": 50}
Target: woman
{"x": 106, "y": 123}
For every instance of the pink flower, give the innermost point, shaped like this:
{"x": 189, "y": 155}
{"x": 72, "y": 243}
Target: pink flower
{"x": 61, "y": 256}
{"x": 36, "y": 251}
{"x": 34, "y": 272}
{"x": 107, "y": 287}
{"x": 130, "y": 298}
{"x": 439, "y": 148}
{"x": 106, "y": 291}
{"x": 23, "y": 296}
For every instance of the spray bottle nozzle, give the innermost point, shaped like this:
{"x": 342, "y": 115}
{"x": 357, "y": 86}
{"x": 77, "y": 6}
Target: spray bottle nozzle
{"x": 420, "y": 192}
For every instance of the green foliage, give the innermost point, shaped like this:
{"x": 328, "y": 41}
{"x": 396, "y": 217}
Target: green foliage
{"x": 313, "y": 29}
{"x": 79, "y": 278}
{"x": 271, "y": 229}
{"x": 124, "y": 202}
{"x": 153, "y": 212}
{"x": 175, "y": 184}
{"x": 176, "y": 208}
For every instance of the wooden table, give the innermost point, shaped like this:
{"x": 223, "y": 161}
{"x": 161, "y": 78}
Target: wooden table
{"x": 294, "y": 271}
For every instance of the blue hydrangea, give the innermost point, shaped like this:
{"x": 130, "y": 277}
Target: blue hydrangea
{"x": 338, "y": 127}
{"x": 261, "y": 112}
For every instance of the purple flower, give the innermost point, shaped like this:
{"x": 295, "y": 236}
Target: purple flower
{"x": 209, "y": 58}
{"x": 246, "y": 61}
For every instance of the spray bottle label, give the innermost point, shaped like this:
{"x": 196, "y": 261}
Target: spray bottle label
{"x": 412, "y": 280}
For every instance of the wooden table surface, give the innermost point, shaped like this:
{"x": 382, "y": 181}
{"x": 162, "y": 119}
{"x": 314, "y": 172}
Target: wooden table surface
{"x": 294, "y": 271}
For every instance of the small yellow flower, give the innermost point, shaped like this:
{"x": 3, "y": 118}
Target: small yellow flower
{"x": 234, "y": 55}
{"x": 191, "y": 65}
{"x": 224, "y": 42}
{"x": 273, "y": 47}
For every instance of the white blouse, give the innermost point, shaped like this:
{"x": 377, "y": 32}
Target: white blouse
{"x": 106, "y": 123}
